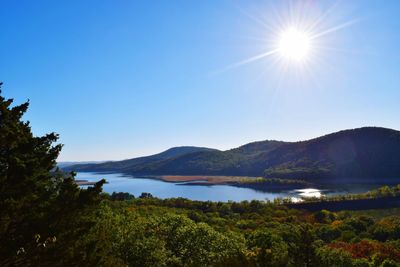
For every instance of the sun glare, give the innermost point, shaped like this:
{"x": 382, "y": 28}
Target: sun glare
{"x": 294, "y": 38}
{"x": 294, "y": 44}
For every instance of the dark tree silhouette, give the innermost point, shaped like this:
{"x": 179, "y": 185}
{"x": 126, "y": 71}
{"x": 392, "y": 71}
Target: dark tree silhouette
{"x": 35, "y": 199}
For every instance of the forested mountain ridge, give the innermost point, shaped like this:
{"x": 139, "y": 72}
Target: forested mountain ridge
{"x": 129, "y": 164}
{"x": 368, "y": 152}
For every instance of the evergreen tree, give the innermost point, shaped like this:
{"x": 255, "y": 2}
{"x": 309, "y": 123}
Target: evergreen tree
{"x": 36, "y": 201}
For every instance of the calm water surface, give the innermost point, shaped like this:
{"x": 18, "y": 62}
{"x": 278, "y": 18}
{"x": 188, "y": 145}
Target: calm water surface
{"x": 161, "y": 189}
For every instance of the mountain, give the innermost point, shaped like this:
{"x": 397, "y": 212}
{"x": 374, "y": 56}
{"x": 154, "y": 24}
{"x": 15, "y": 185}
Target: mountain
{"x": 126, "y": 166}
{"x": 64, "y": 164}
{"x": 369, "y": 152}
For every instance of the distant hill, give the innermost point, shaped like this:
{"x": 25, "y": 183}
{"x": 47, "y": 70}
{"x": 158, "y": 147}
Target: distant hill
{"x": 64, "y": 164}
{"x": 128, "y": 165}
{"x": 369, "y": 152}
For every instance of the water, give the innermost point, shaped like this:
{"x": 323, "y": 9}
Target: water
{"x": 161, "y": 189}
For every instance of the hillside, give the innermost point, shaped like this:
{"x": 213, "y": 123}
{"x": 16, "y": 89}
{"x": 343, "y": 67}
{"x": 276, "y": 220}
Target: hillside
{"x": 130, "y": 164}
{"x": 65, "y": 164}
{"x": 368, "y": 152}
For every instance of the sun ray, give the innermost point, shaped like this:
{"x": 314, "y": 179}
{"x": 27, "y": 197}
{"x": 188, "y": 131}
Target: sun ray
{"x": 253, "y": 38}
{"x": 336, "y": 28}
{"x": 292, "y": 38}
{"x": 341, "y": 50}
{"x": 313, "y": 25}
{"x": 254, "y": 18}
{"x": 249, "y": 60}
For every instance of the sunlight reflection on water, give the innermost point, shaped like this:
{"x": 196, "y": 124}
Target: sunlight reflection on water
{"x": 309, "y": 192}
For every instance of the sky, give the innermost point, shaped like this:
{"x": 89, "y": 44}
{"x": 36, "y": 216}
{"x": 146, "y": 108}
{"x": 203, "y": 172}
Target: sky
{"x": 120, "y": 79}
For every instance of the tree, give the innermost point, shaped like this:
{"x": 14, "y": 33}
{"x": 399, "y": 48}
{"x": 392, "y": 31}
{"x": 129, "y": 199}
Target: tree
{"x": 334, "y": 257}
{"x": 35, "y": 199}
{"x": 268, "y": 248}
{"x": 146, "y": 195}
{"x": 324, "y": 216}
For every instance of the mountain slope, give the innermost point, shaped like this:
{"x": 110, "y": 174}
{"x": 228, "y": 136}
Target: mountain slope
{"x": 65, "y": 164}
{"x": 360, "y": 153}
{"x": 129, "y": 164}
{"x": 368, "y": 152}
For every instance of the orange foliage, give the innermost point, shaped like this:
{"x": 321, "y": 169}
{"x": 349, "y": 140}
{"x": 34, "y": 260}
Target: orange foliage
{"x": 367, "y": 248}
{"x": 336, "y": 223}
{"x": 388, "y": 223}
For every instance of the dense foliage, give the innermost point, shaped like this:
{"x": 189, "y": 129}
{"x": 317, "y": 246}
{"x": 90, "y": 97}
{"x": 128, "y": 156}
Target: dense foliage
{"x": 364, "y": 153}
{"x": 47, "y": 220}
{"x": 178, "y": 232}
{"x": 42, "y": 212}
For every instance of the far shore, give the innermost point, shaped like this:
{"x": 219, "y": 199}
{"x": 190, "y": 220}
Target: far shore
{"x": 257, "y": 183}
{"x": 260, "y": 183}
{"x": 210, "y": 180}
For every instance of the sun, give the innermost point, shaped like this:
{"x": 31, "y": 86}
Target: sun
{"x": 294, "y": 38}
{"x": 294, "y": 44}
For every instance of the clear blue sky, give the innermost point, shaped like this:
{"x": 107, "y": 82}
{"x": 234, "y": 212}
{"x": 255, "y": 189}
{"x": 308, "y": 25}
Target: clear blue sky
{"x": 118, "y": 79}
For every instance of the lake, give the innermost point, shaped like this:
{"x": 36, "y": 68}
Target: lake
{"x": 138, "y": 185}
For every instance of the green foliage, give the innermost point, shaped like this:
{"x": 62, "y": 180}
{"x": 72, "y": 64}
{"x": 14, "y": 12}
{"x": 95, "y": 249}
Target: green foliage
{"x": 334, "y": 257}
{"x": 268, "y": 248}
{"x": 136, "y": 239}
{"x": 194, "y": 233}
{"x": 42, "y": 212}
{"x": 145, "y": 195}
{"x": 324, "y": 216}
{"x": 121, "y": 196}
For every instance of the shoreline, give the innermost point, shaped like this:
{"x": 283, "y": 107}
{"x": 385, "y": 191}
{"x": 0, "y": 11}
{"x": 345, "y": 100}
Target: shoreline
{"x": 256, "y": 183}
{"x": 86, "y": 182}
{"x": 207, "y": 179}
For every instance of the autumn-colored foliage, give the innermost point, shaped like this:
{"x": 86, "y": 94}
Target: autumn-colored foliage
{"x": 368, "y": 248}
